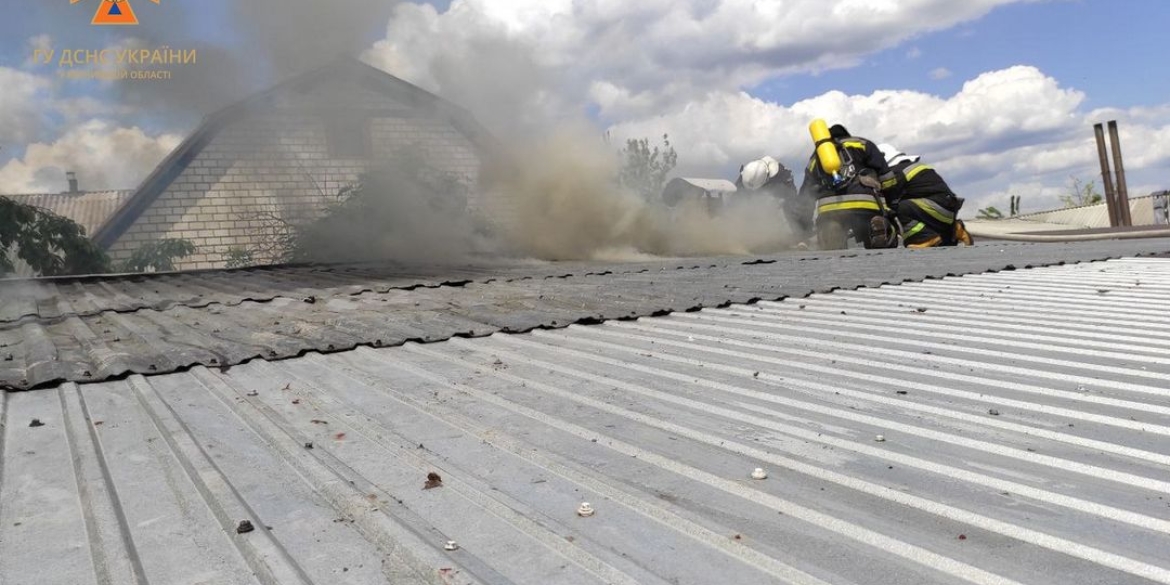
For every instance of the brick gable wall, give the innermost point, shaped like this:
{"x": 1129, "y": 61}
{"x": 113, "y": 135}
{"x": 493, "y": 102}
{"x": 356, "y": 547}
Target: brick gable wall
{"x": 277, "y": 163}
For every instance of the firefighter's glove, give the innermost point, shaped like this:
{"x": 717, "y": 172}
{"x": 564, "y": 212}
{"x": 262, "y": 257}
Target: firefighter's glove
{"x": 870, "y": 181}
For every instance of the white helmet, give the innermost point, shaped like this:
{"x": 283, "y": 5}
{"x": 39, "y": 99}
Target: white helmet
{"x": 758, "y": 172}
{"x": 895, "y": 156}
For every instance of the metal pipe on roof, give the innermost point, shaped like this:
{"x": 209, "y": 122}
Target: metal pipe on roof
{"x": 1122, "y": 192}
{"x": 1106, "y": 176}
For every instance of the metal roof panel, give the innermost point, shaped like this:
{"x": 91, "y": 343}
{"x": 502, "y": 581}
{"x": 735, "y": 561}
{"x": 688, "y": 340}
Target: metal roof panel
{"x": 991, "y": 428}
{"x": 93, "y": 329}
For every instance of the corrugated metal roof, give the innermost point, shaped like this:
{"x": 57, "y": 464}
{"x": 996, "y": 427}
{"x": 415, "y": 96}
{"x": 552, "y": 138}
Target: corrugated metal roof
{"x": 1024, "y": 417}
{"x": 681, "y": 188}
{"x": 1093, "y": 216}
{"x": 92, "y": 329}
{"x": 90, "y": 209}
{"x": 1015, "y": 229}
{"x": 715, "y": 185}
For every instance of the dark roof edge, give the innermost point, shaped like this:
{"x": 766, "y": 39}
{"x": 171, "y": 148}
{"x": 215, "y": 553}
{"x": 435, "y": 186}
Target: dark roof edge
{"x": 170, "y": 168}
{"x": 66, "y": 193}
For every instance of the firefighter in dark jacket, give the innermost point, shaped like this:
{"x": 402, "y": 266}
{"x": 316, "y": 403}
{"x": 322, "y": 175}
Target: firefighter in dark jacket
{"x": 925, "y": 204}
{"x": 851, "y": 199}
{"x": 766, "y": 176}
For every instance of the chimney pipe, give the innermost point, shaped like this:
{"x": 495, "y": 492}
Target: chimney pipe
{"x": 1107, "y": 177}
{"x": 72, "y": 178}
{"x": 1122, "y": 192}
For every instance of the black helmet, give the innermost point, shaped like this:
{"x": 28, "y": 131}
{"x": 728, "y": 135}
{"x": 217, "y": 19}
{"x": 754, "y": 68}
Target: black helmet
{"x": 839, "y": 131}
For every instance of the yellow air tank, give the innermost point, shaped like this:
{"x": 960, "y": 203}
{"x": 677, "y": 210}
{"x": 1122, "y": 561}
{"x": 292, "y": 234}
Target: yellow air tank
{"x": 826, "y": 149}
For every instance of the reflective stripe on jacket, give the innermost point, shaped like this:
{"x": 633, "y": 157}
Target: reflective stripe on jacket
{"x": 933, "y": 209}
{"x": 847, "y": 202}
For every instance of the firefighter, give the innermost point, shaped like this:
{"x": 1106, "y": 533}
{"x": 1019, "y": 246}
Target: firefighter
{"x": 848, "y": 199}
{"x": 926, "y": 206}
{"x": 767, "y": 176}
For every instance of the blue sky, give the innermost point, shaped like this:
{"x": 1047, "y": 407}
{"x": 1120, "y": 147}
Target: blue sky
{"x": 1078, "y": 56}
{"x": 1114, "y": 50}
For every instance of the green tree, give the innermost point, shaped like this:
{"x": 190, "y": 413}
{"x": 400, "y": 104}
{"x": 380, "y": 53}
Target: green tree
{"x": 50, "y": 244}
{"x": 1081, "y": 193}
{"x": 53, "y": 245}
{"x": 158, "y": 256}
{"x": 644, "y": 169}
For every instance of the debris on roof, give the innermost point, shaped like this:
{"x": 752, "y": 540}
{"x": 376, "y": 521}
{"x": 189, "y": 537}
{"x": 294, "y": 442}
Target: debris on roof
{"x": 622, "y": 452}
{"x": 97, "y": 328}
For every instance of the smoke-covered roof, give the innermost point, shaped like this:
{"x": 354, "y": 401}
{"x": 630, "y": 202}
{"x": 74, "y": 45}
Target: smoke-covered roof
{"x": 343, "y": 68}
{"x": 86, "y": 329}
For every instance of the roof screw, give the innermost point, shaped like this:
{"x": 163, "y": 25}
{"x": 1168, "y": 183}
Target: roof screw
{"x": 585, "y": 510}
{"x": 759, "y": 473}
{"x": 244, "y": 527}
{"x": 451, "y": 545}
{"x": 880, "y": 438}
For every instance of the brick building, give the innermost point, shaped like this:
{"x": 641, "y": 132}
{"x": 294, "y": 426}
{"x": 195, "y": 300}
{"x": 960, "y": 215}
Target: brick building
{"x": 282, "y": 153}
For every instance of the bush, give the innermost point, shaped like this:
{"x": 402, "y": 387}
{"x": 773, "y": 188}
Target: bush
{"x": 158, "y": 256}
{"x": 50, "y": 244}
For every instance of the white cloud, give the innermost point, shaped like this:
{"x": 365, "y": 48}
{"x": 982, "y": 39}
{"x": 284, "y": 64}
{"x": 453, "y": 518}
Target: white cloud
{"x": 36, "y": 45}
{"x": 22, "y": 116}
{"x": 103, "y": 155}
{"x": 1010, "y": 131}
{"x": 648, "y": 55}
{"x": 45, "y": 131}
{"x": 680, "y": 66}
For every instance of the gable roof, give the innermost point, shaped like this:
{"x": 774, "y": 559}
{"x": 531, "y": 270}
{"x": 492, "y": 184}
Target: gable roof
{"x": 89, "y": 209}
{"x": 174, "y": 164}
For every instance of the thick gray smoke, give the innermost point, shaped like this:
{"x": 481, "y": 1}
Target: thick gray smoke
{"x": 254, "y": 44}
{"x": 553, "y": 193}
{"x": 550, "y": 191}
{"x": 563, "y": 203}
